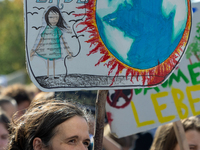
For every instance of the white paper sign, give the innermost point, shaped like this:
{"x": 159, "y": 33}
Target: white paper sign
{"x": 103, "y": 44}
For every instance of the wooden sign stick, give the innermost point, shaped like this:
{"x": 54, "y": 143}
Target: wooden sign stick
{"x": 180, "y": 135}
{"x": 99, "y": 117}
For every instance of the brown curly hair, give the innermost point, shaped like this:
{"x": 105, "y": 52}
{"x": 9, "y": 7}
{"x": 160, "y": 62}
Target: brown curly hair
{"x": 40, "y": 120}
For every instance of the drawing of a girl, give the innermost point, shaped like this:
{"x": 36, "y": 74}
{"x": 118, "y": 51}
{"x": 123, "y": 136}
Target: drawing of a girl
{"x": 49, "y": 45}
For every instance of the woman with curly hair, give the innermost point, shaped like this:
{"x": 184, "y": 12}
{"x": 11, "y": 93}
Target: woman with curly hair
{"x": 50, "y": 125}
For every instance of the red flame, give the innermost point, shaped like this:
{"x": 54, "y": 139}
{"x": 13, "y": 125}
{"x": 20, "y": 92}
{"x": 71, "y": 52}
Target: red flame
{"x": 150, "y": 77}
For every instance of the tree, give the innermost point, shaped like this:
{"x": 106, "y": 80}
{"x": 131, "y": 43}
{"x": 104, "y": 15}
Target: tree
{"x": 194, "y": 47}
{"x": 12, "y": 45}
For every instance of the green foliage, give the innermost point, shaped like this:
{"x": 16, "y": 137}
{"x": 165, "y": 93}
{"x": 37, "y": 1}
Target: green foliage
{"x": 188, "y": 52}
{"x": 12, "y": 47}
{"x": 194, "y": 48}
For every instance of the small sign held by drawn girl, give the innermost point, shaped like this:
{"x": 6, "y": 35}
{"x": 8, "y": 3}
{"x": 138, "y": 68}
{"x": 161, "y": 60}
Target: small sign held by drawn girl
{"x": 102, "y": 44}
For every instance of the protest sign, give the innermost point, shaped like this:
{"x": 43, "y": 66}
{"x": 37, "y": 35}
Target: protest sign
{"x": 136, "y": 110}
{"x": 103, "y": 44}
{"x": 177, "y": 98}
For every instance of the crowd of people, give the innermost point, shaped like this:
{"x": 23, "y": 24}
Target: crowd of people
{"x": 35, "y": 120}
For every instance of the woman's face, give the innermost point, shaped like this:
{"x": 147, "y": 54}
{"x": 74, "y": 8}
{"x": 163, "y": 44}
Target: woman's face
{"x": 3, "y": 137}
{"x": 53, "y": 18}
{"x": 193, "y": 139}
{"x": 72, "y": 134}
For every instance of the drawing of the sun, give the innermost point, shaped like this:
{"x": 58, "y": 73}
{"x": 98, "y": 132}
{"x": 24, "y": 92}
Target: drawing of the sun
{"x": 145, "y": 38}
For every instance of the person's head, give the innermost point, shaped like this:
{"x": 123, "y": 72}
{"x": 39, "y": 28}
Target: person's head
{"x": 53, "y": 17}
{"x": 165, "y": 138}
{"x": 50, "y": 125}
{"x": 4, "y": 133}
{"x": 20, "y": 94}
{"x": 8, "y": 105}
{"x": 32, "y": 90}
{"x": 44, "y": 95}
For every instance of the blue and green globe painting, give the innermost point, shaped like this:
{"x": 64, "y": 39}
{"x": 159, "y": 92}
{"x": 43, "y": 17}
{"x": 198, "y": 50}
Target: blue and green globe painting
{"x": 141, "y": 33}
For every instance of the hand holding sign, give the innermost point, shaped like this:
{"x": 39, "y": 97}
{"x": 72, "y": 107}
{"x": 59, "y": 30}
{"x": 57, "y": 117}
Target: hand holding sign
{"x": 70, "y": 55}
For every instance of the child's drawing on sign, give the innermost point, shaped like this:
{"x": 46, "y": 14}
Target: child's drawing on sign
{"x": 115, "y": 44}
{"x": 48, "y": 43}
{"x": 193, "y": 48}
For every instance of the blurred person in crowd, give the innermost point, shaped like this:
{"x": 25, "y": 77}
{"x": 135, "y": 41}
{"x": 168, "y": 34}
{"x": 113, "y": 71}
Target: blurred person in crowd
{"x": 1, "y": 88}
{"x": 50, "y": 125}
{"x": 20, "y": 94}
{"x": 141, "y": 138}
{"x": 4, "y": 133}
{"x": 165, "y": 137}
{"x": 8, "y": 105}
{"x": 44, "y": 95}
{"x": 91, "y": 131}
{"x": 32, "y": 90}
